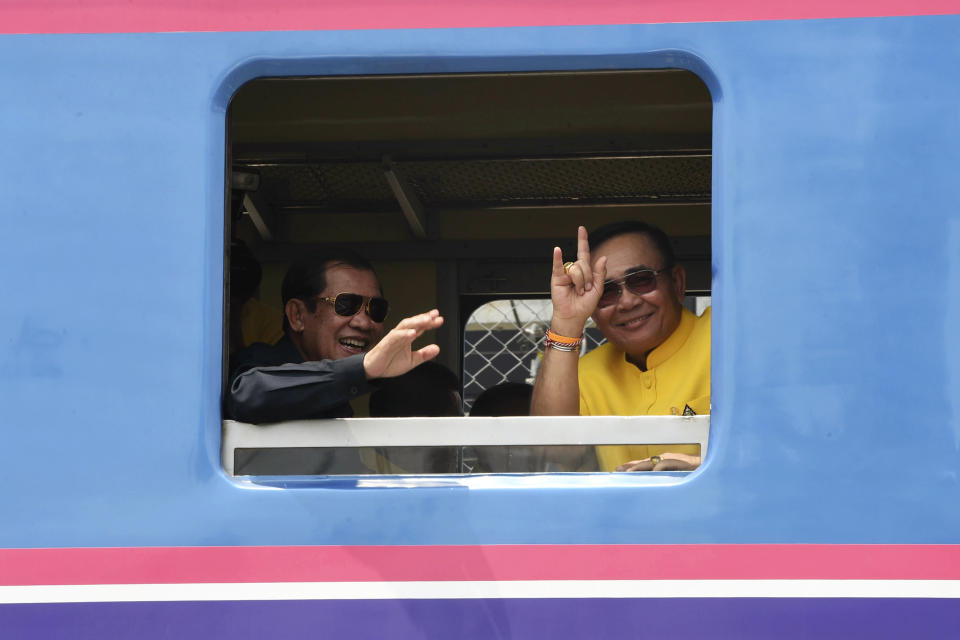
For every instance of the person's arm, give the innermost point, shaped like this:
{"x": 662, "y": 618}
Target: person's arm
{"x": 295, "y": 391}
{"x": 574, "y": 293}
{"x": 556, "y": 391}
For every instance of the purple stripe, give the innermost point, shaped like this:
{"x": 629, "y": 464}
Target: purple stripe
{"x": 781, "y": 618}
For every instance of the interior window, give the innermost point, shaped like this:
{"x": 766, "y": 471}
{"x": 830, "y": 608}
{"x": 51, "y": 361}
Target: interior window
{"x": 503, "y": 343}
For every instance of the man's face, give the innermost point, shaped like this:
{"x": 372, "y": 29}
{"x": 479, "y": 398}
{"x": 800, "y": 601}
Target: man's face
{"x": 637, "y": 324}
{"x": 328, "y": 336}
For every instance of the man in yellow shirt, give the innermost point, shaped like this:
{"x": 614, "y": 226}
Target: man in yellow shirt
{"x": 657, "y": 357}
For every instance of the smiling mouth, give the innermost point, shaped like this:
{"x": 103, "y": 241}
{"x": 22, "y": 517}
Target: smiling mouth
{"x": 635, "y": 322}
{"x": 354, "y": 344}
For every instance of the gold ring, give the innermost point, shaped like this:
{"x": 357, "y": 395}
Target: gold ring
{"x": 566, "y": 266}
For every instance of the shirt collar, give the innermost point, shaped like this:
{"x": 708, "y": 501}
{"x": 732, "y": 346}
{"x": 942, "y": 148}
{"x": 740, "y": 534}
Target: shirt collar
{"x": 673, "y": 343}
{"x": 288, "y": 350}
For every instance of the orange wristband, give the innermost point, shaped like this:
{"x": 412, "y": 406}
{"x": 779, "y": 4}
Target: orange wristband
{"x": 559, "y": 339}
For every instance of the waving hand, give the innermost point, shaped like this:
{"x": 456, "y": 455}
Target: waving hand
{"x": 394, "y": 355}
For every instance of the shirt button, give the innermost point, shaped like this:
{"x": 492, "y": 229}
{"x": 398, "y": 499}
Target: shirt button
{"x": 647, "y": 382}
{"x": 353, "y": 391}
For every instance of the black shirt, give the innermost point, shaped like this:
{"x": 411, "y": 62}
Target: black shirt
{"x": 272, "y": 383}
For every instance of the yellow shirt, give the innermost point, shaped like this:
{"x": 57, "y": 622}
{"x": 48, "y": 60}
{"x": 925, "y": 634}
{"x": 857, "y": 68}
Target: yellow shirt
{"x": 677, "y": 379}
{"x": 260, "y": 323}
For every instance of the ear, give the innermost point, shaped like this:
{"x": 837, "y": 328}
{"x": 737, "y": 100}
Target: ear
{"x": 295, "y": 311}
{"x": 679, "y": 279}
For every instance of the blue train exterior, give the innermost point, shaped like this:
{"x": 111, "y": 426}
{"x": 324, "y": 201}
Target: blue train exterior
{"x": 836, "y": 340}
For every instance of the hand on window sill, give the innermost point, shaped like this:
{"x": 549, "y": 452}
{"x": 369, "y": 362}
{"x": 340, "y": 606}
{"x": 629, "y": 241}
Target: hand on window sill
{"x": 664, "y": 462}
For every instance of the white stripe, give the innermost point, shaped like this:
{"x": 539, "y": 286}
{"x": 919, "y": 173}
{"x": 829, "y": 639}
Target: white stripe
{"x": 486, "y": 589}
{"x": 476, "y": 431}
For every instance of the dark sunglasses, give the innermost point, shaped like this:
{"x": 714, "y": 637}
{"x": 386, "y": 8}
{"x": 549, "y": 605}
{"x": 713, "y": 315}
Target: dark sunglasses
{"x": 638, "y": 282}
{"x": 350, "y": 304}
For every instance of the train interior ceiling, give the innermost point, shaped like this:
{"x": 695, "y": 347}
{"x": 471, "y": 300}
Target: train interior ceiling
{"x": 457, "y": 187}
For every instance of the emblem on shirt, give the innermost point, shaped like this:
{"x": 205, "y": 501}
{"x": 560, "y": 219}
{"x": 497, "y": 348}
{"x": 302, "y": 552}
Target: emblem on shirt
{"x": 687, "y": 411}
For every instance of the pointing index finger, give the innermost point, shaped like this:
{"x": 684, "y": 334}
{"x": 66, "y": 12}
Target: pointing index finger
{"x": 558, "y": 270}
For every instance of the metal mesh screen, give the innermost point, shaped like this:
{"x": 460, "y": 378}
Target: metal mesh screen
{"x": 361, "y": 186}
{"x": 503, "y": 342}
{"x": 560, "y": 180}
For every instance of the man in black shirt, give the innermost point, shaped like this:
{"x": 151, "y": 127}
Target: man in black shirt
{"x": 333, "y": 321}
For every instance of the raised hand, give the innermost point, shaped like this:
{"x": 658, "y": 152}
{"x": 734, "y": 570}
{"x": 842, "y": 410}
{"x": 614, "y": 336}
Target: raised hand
{"x": 576, "y": 288}
{"x": 394, "y": 355}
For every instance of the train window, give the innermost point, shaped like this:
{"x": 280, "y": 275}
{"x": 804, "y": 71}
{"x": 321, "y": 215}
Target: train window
{"x": 455, "y": 188}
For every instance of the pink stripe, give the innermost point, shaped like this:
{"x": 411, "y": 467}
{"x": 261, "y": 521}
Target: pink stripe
{"x": 132, "y": 16}
{"x": 173, "y": 565}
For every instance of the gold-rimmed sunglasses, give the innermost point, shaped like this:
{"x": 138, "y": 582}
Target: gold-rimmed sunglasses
{"x": 350, "y": 304}
{"x": 638, "y": 282}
